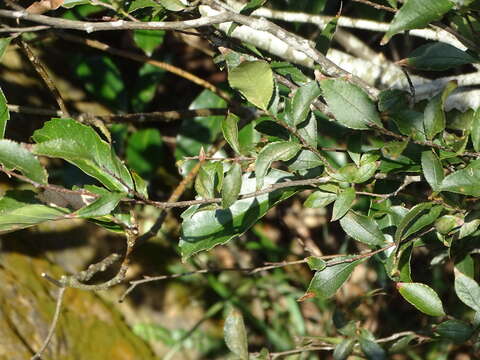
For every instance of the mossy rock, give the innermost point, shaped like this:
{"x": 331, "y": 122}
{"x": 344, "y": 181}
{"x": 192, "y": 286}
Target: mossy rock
{"x": 88, "y": 328}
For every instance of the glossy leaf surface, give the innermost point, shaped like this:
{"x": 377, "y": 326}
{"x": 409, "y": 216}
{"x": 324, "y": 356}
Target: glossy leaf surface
{"x": 83, "y": 147}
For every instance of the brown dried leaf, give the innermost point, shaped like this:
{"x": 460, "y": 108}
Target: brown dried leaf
{"x": 41, "y": 6}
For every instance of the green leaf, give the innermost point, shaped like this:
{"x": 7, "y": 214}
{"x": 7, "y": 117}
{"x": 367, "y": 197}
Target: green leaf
{"x": 103, "y": 79}
{"x": 209, "y": 179}
{"x": 417, "y": 218}
{"x": 432, "y": 169}
{"x": 401, "y": 344}
{"x": 319, "y": 199}
{"x": 205, "y": 229}
{"x": 475, "y": 134}
{"x": 467, "y": 290}
{"x": 232, "y": 184}
{"x": 308, "y": 130}
{"x": 325, "y": 283}
{"x": 21, "y": 209}
{"x": 434, "y": 116}
{"x": 302, "y": 99}
{"x": 82, "y": 146}
{"x": 141, "y": 4}
{"x": 455, "y": 330}
{"x": 437, "y": 57}
{"x": 235, "y": 334}
{"x": 470, "y": 225}
{"x": 172, "y": 5}
{"x": 4, "y": 114}
{"x": 275, "y": 151}
{"x": 288, "y": 70}
{"x": 371, "y": 349}
{"x": 144, "y": 151}
{"x": 423, "y": 297}
{"x": 304, "y": 160}
{"x": 230, "y": 131}
{"x": 362, "y": 228}
{"x": 4, "y": 42}
{"x": 324, "y": 40}
{"x": 251, "y": 6}
{"x": 344, "y": 349}
{"x": 104, "y": 205}
{"x": 148, "y": 40}
{"x": 343, "y": 203}
{"x": 415, "y": 14}
{"x": 351, "y": 106}
{"x": 315, "y": 263}
{"x": 254, "y": 79}
{"x": 200, "y": 131}
{"x": 465, "y": 181}
{"x": 145, "y": 87}
{"x": 141, "y": 186}
{"x": 447, "y": 223}
{"x": 15, "y": 157}
{"x": 398, "y": 264}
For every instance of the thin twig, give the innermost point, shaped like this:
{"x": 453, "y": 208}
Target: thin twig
{"x": 53, "y": 324}
{"x": 89, "y": 27}
{"x": 253, "y": 270}
{"x": 16, "y": 30}
{"x": 377, "y": 6}
{"x": 43, "y": 73}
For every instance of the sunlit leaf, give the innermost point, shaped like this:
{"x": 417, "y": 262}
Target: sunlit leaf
{"x": 235, "y": 334}
{"x": 415, "y": 14}
{"x": 4, "y": 114}
{"x": 275, "y": 151}
{"x": 434, "y": 120}
{"x": 343, "y": 203}
{"x": 82, "y": 146}
{"x": 104, "y": 205}
{"x": 432, "y": 169}
{"x": 254, "y": 79}
{"x": 302, "y": 99}
{"x": 362, "y": 228}
{"x": 423, "y": 297}
{"x": 230, "y": 131}
{"x": 465, "y": 181}
{"x": 351, "y": 106}
{"x": 21, "y": 209}
{"x": 232, "y": 184}
{"x": 325, "y": 283}
{"x": 319, "y": 199}
{"x": 15, "y": 157}
{"x": 205, "y": 229}
{"x": 467, "y": 290}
